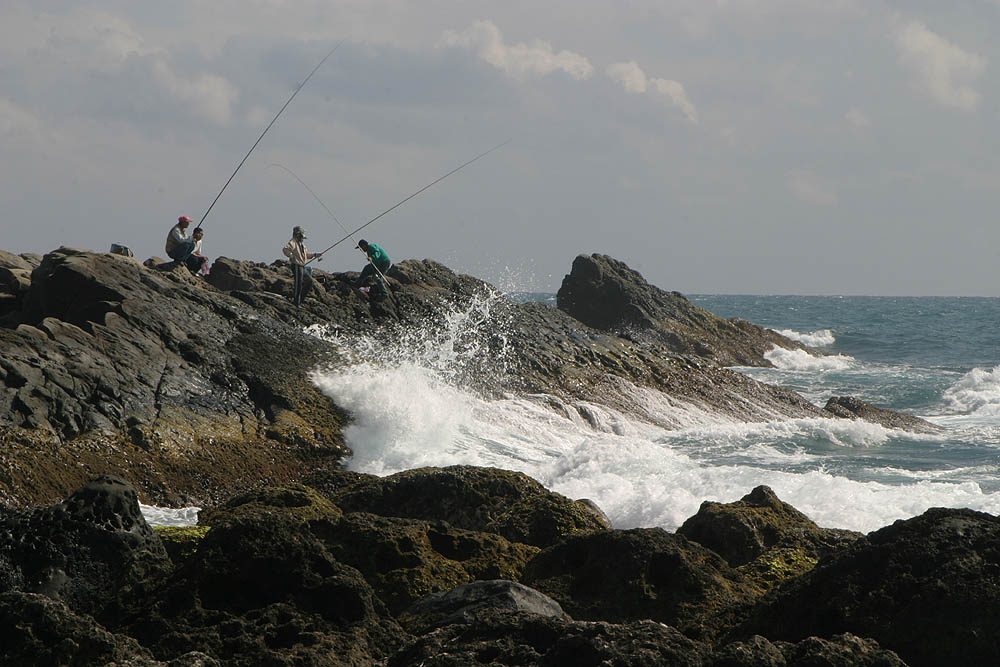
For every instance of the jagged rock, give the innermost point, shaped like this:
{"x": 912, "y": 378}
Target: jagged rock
{"x": 504, "y": 502}
{"x": 92, "y": 551}
{"x": 181, "y": 542}
{"x": 743, "y": 531}
{"x": 626, "y": 575}
{"x": 37, "y": 630}
{"x": 852, "y": 408}
{"x": 462, "y": 603}
{"x": 294, "y": 501}
{"x": 407, "y": 559}
{"x": 499, "y": 637}
{"x": 927, "y": 588}
{"x": 844, "y": 650}
{"x": 264, "y": 590}
{"x": 606, "y": 294}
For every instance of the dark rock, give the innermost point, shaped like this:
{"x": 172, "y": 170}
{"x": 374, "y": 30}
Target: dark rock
{"x": 94, "y": 551}
{"x": 263, "y": 590}
{"x": 460, "y": 604}
{"x": 841, "y": 651}
{"x": 293, "y": 501}
{"x": 626, "y": 575}
{"x": 407, "y": 559}
{"x": 759, "y": 523}
{"x": 606, "y": 294}
{"x": 37, "y": 630}
{"x": 927, "y": 588}
{"x": 504, "y": 502}
{"x": 852, "y": 408}
{"x": 499, "y": 637}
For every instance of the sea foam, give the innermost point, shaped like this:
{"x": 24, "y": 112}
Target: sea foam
{"x": 821, "y": 338}
{"x": 977, "y": 392}
{"x": 800, "y": 360}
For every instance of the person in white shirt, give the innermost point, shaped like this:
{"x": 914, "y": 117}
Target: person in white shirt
{"x": 179, "y": 247}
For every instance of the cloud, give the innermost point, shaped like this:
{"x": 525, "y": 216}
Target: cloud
{"x": 857, "y": 118}
{"x": 809, "y": 187}
{"x": 518, "y": 60}
{"x": 941, "y": 69}
{"x": 209, "y": 95}
{"x": 635, "y": 81}
{"x": 16, "y": 122}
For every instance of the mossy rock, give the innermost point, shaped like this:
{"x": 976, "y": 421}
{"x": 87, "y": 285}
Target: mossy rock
{"x": 181, "y": 541}
{"x": 777, "y": 564}
{"x": 294, "y": 501}
{"x": 406, "y": 559}
{"x": 504, "y": 502}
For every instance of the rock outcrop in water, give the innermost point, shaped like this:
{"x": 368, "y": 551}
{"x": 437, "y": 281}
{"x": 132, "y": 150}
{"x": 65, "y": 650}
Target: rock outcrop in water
{"x": 283, "y": 576}
{"x": 194, "y": 389}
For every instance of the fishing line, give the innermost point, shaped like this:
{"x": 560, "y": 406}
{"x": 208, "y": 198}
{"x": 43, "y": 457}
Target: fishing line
{"x": 395, "y": 206}
{"x": 289, "y": 101}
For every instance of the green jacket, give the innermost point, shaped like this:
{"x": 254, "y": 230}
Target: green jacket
{"x": 379, "y": 257}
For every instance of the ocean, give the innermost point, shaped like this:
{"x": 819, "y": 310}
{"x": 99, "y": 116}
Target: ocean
{"x": 933, "y": 357}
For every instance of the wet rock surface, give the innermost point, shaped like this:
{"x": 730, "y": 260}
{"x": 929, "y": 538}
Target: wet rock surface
{"x": 849, "y": 407}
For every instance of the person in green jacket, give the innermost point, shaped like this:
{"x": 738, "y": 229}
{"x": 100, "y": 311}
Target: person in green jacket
{"x": 378, "y": 263}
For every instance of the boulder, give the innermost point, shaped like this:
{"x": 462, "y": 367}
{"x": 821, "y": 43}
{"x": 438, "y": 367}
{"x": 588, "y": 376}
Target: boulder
{"x": 462, "y": 603}
{"x": 844, "y": 650}
{"x": 503, "y": 502}
{"x": 606, "y": 294}
{"x": 927, "y": 588}
{"x": 743, "y": 531}
{"x": 627, "y": 575}
{"x": 263, "y": 590}
{"x": 407, "y": 559}
{"x": 849, "y": 407}
{"x": 502, "y": 637}
{"x": 94, "y": 551}
{"x": 293, "y": 501}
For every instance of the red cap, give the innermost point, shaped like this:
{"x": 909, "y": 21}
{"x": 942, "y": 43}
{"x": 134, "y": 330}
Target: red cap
{"x": 184, "y": 218}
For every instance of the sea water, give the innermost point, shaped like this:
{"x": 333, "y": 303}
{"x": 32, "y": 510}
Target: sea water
{"x": 414, "y": 404}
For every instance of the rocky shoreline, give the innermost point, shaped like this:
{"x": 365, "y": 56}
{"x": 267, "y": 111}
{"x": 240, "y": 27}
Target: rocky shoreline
{"x": 122, "y": 382}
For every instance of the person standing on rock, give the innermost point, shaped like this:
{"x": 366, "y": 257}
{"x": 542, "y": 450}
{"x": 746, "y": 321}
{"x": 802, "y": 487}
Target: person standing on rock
{"x": 297, "y": 253}
{"x": 179, "y": 247}
{"x": 378, "y": 263}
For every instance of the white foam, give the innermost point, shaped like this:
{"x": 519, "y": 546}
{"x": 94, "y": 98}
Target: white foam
{"x": 800, "y": 360}
{"x": 821, "y": 338}
{"x": 166, "y": 516}
{"x": 977, "y": 393}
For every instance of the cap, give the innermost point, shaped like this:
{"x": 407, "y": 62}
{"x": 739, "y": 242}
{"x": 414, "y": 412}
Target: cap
{"x": 184, "y": 218}
{"x": 298, "y": 230}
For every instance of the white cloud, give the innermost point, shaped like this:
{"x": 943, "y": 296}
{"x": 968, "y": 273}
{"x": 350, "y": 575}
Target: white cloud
{"x": 635, "y": 81}
{"x": 518, "y": 60}
{"x": 810, "y": 187}
{"x": 209, "y": 95}
{"x": 15, "y": 121}
{"x": 857, "y": 118}
{"x": 941, "y": 69}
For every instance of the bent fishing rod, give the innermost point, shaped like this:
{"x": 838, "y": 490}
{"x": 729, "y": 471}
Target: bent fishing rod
{"x": 289, "y": 101}
{"x": 400, "y": 203}
{"x": 327, "y": 209}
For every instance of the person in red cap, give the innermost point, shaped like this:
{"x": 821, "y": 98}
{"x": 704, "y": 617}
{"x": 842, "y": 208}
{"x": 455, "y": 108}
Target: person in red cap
{"x": 179, "y": 246}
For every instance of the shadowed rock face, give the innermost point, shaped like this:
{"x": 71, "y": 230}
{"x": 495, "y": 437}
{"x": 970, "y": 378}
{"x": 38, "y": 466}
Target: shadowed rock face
{"x": 927, "y": 587}
{"x": 89, "y": 551}
{"x": 606, "y": 294}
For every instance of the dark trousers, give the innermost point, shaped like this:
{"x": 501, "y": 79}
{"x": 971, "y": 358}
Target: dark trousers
{"x": 303, "y": 283}
{"x": 368, "y": 273}
{"x": 181, "y": 252}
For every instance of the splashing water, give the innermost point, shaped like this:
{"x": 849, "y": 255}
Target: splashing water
{"x": 424, "y": 396}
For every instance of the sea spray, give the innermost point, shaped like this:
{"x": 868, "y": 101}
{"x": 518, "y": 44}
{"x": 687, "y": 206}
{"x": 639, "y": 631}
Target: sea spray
{"x": 427, "y": 396}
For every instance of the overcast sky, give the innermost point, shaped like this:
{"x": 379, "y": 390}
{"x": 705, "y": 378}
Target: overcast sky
{"x": 717, "y": 146}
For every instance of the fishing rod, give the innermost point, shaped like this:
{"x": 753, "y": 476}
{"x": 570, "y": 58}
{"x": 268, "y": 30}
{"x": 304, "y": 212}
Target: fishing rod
{"x": 395, "y": 206}
{"x": 289, "y": 101}
{"x": 327, "y": 209}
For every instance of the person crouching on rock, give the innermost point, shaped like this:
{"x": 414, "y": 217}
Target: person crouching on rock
{"x": 378, "y": 264}
{"x": 179, "y": 247}
{"x": 297, "y": 253}
{"x": 197, "y": 262}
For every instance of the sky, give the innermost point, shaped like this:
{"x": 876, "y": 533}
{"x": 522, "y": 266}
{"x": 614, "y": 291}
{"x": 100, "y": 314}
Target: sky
{"x": 716, "y": 146}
